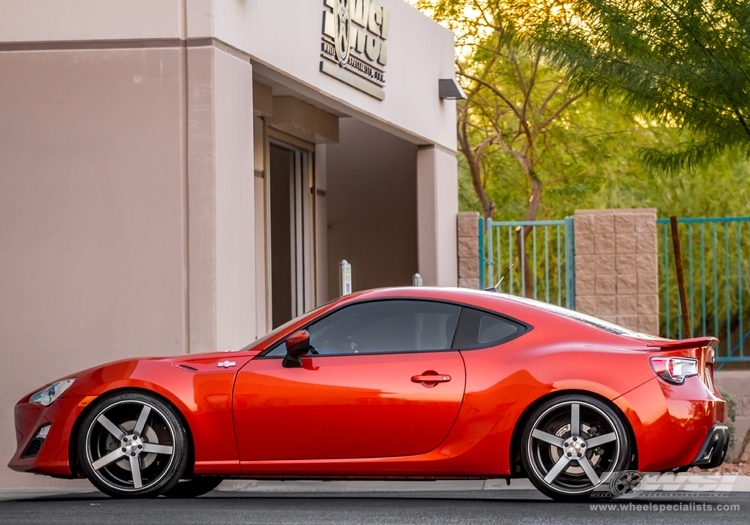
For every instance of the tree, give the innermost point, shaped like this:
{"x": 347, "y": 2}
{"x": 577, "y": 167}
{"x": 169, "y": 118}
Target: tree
{"x": 685, "y": 63}
{"x": 514, "y": 98}
{"x": 515, "y": 101}
{"x": 589, "y": 155}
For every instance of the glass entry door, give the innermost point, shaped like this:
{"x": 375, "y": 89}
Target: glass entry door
{"x": 292, "y": 227}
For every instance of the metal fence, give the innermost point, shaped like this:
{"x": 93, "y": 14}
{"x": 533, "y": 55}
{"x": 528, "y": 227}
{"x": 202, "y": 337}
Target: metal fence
{"x": 546, "y": 274}
{"x": 716, "y": 260}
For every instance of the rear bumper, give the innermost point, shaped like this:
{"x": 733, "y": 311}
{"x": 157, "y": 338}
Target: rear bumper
{"x": 714, "y": 448}
{"x": 675, "y": 426}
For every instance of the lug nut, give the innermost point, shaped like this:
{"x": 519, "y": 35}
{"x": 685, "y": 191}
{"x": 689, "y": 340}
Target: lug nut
{"x": 132, "y": 453}
{"x": 575, "y": 438}
{"x": 123, "y": 449}
{"x": 568, "y": 454}
{"x": 140, "y": 446}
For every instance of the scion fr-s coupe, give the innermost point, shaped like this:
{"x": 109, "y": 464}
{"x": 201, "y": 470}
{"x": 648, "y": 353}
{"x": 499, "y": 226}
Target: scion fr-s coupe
{"x": 401, "y": 383}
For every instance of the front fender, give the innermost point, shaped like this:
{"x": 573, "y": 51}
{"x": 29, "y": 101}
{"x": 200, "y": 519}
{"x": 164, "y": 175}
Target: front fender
{"x": 200, "y": 391}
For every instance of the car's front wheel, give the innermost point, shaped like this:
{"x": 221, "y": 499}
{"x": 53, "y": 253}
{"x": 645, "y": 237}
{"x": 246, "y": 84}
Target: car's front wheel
{"x": 133, "y": 445}
{"x": 573, "y": 444}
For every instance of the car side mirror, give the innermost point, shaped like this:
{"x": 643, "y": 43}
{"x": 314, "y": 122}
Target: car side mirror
{"x": 297, "y": 345}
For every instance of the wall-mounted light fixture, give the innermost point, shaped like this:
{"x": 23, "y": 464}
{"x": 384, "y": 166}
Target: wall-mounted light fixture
{"x": 450, "y": 89}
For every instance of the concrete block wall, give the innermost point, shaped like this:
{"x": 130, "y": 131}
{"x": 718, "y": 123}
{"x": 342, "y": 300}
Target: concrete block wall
{"x": 468, "y": 249}
{"x": 617, "y": 275}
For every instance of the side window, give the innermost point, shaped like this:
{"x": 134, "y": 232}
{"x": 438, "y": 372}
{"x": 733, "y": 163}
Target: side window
{"x": 480, "y": 329}
{"x": 389, "y": 326}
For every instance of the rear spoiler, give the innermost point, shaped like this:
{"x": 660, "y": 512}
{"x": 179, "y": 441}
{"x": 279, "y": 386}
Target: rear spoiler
{"x": 678, "y": 344}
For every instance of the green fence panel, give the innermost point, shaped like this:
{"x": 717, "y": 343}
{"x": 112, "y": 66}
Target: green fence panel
{"x": 716, "y": 261}
{"x": 547, "y": 272}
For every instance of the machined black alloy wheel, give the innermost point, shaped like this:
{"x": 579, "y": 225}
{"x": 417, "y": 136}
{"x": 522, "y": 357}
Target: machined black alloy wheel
{"x": 573, "y": 444}
{"x": 133, "y": 445}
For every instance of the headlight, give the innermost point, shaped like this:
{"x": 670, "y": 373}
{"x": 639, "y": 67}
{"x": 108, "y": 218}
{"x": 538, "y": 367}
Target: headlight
{"x": 47, "y": 395}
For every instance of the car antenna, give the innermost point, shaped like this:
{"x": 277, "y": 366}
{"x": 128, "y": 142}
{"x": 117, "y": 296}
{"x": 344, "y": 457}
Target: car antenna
{"x": 496, "y": 288}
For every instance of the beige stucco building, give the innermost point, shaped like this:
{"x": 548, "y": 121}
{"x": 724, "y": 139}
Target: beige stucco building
{"x": 178, "y": 176}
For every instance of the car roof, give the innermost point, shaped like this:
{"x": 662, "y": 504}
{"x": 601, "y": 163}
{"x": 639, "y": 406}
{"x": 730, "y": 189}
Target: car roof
{"x": 525, "y": 309}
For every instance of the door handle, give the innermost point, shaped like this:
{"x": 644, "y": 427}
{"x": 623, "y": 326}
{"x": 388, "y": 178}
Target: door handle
{"x": 431, "y": 378}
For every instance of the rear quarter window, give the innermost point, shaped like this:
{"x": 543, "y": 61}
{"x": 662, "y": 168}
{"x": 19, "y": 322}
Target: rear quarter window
{"x": 480, "y": 329}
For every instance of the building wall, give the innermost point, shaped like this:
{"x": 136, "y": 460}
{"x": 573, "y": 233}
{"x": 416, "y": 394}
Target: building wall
{"x": 131, "y": 203}
{"x": 371, "y": 197}
{"x": 92, "y": 216}
{"x": 285, "y": 35}
{"x": 127, "y": 217}
{"x": 91, "y": 20}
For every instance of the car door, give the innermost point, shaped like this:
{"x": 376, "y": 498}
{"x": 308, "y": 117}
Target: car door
{"x": 384, "y": 382}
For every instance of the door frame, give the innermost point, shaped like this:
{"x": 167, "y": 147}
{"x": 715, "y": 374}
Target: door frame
{"x": 303, "y": 209}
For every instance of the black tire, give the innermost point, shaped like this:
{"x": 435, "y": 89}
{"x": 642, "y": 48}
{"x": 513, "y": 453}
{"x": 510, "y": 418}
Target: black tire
{"x": 132, "y": 445}
{"x": 568, "y": 464}
{"x": 192, "y": 488}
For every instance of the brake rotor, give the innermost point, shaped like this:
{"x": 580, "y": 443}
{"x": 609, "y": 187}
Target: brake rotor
{"x": 593, "y": 456}
{"x": 149, "y": 436}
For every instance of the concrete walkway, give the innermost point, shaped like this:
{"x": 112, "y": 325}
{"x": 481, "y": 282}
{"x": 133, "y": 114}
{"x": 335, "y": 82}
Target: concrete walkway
{"x": 666, "y": 482}
{"x": 671, "y": 483}
{"x": 19, "y": 494}
{"x": 371, "y": 486}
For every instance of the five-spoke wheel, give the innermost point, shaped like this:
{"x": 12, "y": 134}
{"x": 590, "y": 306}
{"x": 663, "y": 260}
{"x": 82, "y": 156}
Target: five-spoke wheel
{"x": 132, "y": 445}
{"x": 572, "y": 444}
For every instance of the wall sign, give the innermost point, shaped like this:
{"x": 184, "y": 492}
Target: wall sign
{"x": 353, "y": 47}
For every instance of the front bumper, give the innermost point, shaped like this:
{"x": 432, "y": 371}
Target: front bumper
{"x": 52, "y": 455}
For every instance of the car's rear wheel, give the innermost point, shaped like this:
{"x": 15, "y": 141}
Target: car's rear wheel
{"x": 192, "y": 488}
{"x": 573, "y": 444}
{"x": 133, "y": 445}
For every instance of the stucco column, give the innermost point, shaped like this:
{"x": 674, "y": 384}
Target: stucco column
{"x": 437, "y": 205}
{"x": 221, "y": 201}
{"x": 617, "y": 275}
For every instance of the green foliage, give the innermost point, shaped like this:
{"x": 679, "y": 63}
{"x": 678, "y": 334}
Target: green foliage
{"x": 516, "y": 115}
{"x": 595, "y": 163}
{"x": 592, "y": 156}
{"x": 731, "y": 415}
{"x": 684, "y": 63}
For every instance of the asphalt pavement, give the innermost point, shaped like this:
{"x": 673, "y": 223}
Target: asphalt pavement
{"x": 332, "y": 503}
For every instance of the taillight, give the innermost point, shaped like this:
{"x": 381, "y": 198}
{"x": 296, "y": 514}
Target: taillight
{"x": 674, "y": 369}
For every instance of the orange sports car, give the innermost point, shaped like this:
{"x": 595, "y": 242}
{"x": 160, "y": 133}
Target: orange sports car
{"x": 398, "y": 383}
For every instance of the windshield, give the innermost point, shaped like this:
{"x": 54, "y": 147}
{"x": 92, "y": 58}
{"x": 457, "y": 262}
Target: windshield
{"x": 583, "y": 318}
{"x": 273, "y": 333}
